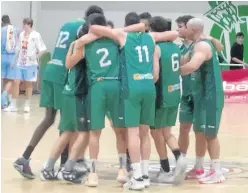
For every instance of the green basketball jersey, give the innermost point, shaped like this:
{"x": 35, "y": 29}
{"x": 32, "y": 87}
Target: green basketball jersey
{"x": 168, "y": 85}
{"x": 186, "y": 90}
{"x": 55, "y": 70}
{"x": 76, "y": 83}
{"x": 102, "y": 58}
{"x": 137, "y": 62}
{"x": 212, "y": 79}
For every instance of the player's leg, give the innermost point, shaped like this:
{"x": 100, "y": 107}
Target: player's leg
{"x": 15, "y": 89}
{"x": 67, "y": 128}
{"x": 8, "y": 72}
{"x": 146, "y": 119}
{"x": 181, "y": 162}
{"x": 186, "y": 120}
{"x": 97, "y": 110}
{"x": 119, "y": 128}
{"x": 47, "y": 101}
{"x": 132, "y": 112}
{"x": 79, "y": 146}
{"x": 200, "y": 143}
{"x": 165, "y": 175}
{"x": 213, "y": 118}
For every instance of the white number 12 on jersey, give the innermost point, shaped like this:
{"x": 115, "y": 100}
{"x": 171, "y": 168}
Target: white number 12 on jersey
{"x": 139, "y": 50}
{"x": 63, "y": 37}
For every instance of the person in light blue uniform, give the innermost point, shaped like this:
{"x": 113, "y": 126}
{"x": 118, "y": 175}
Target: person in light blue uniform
{"x": 9, "y": 35}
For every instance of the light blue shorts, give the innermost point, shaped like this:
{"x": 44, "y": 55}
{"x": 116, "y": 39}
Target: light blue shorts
{"x": 7, "y": 71}
{"x": 27, "y": 73}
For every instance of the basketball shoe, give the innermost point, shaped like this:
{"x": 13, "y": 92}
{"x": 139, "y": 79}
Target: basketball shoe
{"x": 212, "y": 177}
{"x": 23, "y": 167}
{"x": 165, "y": 177}
{"x": 135, "y": 184}
{"x": 195, "y": 174}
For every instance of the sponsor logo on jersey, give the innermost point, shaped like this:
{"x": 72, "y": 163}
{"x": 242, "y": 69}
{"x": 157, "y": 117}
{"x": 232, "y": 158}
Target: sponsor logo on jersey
{"x": 56, "y": 62}
{"x": 228, "y": 19}
{"x": 142, "y": 76}
{"x": 173, "y": 87}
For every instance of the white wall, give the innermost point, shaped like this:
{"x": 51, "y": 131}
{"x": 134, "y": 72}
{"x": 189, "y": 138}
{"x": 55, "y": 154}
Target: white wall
{"x": 50, "y": 15}
{"x": 17, "y": 10}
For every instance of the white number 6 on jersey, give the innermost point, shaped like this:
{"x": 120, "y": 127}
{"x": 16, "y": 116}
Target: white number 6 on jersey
{"x": 175, "y": 62}
{"x": 102, "y": 62}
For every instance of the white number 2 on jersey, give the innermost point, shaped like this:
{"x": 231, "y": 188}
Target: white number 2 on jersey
{"x": 63, "y": 37}
{"x": 139, "y": 50}
{"x": 175, "y": 62}
{"x": 103, "y": 62}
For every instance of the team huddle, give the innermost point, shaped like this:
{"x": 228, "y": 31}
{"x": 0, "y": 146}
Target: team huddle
{"x": 132, "y": 76}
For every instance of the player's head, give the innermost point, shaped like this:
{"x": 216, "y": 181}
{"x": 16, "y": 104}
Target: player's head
{"x": 97, "y": 19}
{"x": 93, "y": 9}
{"x": 27, "y": 24}
{"x": 145, "y": 18}
{"x": 5, "y": 20}
{"x": 195, "y": 27}
{"x": 110, "y": 24}
{"x": 240, "y": 38}
{"x": 132, "y": 18}
{"x": 182, "y": 25}
{"x": 160, "y": 24}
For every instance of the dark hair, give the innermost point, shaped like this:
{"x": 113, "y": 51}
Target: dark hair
{"x": 132, "y": 18}
{"x": 110, "y": 23}
{"x": 97, "y": 19}
{"x": 240, "y": 34}
{"x": 184, "y": 19}
{"x": 84, "y": 30}
{"x": 160, "y": 24}
{"x": 145, "y": 15}
{"x": 5, "y": 19}
{"x": 93, "y": 9}
{"x": 28, "y": 21}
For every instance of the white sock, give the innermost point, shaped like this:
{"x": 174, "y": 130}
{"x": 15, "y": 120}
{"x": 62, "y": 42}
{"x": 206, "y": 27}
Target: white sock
{"x": 199, "y": 162}
{"x": 92, "y": 165}
{"x": 136, "y": 170}
{"x": 123, "y": 160}
{"x": 215, "y": 164}
{"x": 144, "y": 166}
{"x": 27, "y": 103}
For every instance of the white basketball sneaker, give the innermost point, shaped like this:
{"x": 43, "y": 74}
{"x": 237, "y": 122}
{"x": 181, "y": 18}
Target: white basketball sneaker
{"x": 180, "y": 171}
{"x": 212, "y": 177}
{"x": 165, "y": 177}
{"x": 135, "y": 184}
{"x": 10, "y": 108}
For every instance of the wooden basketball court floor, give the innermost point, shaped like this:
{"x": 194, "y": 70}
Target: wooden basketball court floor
{"x": 17, "y": 129}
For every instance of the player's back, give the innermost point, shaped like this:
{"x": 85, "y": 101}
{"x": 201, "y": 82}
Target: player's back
{"x": 9, "y": 35}
{"x": 212, "y": 79}
{"x": 168, "y": 85}
{"x": 102, "y": 58}
{"x": 68, "y": 33}
{"x": 137, "y": 61}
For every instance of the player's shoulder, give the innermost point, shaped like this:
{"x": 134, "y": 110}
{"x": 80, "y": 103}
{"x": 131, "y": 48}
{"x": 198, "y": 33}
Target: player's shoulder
{"x": 201, "y": 45}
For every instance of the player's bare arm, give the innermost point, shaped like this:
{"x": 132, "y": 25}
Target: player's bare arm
{"x": 164, "y": 36}
{"x": 156, "y": 57}
{"x": 216, "y": 43}
{"x": 140, "y": 27}
{"x": 185, "y": 59}
{"x": 74, "y": 56}
{"x": 86, "y": 39}
{"x": 202, "y": 52}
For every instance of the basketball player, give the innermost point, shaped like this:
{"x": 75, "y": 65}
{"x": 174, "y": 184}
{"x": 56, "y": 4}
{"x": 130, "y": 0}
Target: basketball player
{"x": 110, "y": 24}
{"x": 138, "y": 91}
{"x": 53, "y": 83}
{"x": 187, "y": 105}
{"x": 73, "y": 116}
{"x": 207, "y": 91}
{"x": 29, "y": 49}
{"x": 9, "y": 40}
{"x": 167, "y": 56}
{"x": 104, "y": 81}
